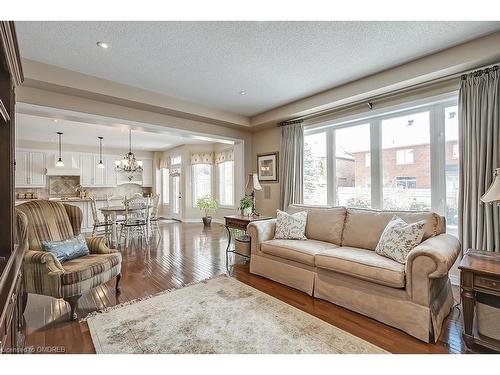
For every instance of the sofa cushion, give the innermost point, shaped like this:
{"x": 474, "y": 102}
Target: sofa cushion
{"x": 363, "y": 264}
{"x": 323, "y": 223}
{"x": 84, "y": 268}
{"x": 302, "y": 251}
{"x": 290, "y": 226}
{"x": 364, "y": 227}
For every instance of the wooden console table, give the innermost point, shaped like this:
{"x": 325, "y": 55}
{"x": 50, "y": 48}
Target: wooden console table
{"x": 480, "y": 272}
{"x": 239, "y": 222}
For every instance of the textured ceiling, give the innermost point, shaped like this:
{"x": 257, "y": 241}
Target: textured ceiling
{"x": 42, "y": 129}
{"x": 209, "y": 63}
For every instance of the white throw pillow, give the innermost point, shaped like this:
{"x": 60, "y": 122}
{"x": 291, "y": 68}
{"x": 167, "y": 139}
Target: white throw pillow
{"x": 399, "y": 238}
{"x": 290, "y": 227}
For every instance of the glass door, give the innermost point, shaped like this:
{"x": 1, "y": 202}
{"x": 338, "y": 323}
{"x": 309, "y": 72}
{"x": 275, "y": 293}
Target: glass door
{"x": 176, "y": 197}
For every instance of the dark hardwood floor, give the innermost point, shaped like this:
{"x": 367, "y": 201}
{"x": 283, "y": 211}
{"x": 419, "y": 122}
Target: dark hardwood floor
{"x": 189, "y": 253}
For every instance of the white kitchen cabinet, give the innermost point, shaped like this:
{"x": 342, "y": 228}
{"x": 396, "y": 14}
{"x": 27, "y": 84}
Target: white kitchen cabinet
{"x": 147, "y": 173}
{"x": 86, "y": 170}
{"x": 30, "y": 169}
{"x": 91, "y": 176}
{"x": 109, "y": 163}
{"x": 37, "y": 169}
{"x": 22, "y": 168}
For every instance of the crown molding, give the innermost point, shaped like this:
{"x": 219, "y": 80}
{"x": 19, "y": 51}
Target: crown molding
{"x": 11, "y": 50}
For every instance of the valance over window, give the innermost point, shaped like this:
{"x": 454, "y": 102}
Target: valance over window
{"x": 202, "y": 158}
{"x": 165, "y": 163}
{"x": 225, "y": 155}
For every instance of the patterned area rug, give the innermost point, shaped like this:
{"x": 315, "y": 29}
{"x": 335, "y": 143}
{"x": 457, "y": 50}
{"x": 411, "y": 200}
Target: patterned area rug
{"x": 221, "y": 315}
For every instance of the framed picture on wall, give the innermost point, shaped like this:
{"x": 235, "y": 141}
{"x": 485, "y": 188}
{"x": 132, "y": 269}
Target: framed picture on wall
{"x": 267, "y": 167}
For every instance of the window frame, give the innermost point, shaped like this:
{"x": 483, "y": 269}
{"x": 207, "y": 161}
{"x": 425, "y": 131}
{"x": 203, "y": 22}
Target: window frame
{"x": 193, "y": 182}
{"x": 165, "y": 198}
{"x": 434, "y": 105}
{"x": 217, "y": 183}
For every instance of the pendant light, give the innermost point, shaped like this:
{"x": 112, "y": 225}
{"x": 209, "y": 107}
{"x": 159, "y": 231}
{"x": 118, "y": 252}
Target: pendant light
{"x": 100, "y": 165}
{"x": 59, "y": 162}
{"x": 129, "y": 164}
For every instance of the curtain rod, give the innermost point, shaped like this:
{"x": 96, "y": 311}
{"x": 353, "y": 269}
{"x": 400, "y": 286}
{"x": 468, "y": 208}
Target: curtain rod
{"x": 480, "y": 72}
{"x": 369, "y": 101}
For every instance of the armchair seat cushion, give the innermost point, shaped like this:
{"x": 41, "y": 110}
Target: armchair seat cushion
{"x": 363, "y": 264}
{"x": 86, "y": 267}
{"x": 302, "y": 251}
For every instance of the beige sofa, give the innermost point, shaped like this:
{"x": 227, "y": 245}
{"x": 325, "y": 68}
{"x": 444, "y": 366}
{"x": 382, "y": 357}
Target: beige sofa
{"x": 338, "y": 263}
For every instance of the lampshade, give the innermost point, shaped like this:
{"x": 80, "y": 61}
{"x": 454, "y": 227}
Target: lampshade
{"x": 253, "y": 182}
{"x": 493, "y": 193}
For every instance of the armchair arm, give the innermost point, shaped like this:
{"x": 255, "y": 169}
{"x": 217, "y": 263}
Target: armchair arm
{"x": 97, "y": 245}
{"x": 42, "y": 273}
{"x": 260, "y": 231}
{"x": 430, "y": 260}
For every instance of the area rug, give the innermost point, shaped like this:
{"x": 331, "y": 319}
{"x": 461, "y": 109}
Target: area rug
{"x": 221, "y": 315}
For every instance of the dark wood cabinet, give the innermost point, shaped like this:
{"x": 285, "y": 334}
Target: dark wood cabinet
{"x": 11, "y": 287}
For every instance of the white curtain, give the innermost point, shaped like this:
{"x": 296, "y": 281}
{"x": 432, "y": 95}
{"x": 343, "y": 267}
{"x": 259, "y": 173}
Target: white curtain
{"x": 479, "y": 136}
{"x": 292, "y": 157}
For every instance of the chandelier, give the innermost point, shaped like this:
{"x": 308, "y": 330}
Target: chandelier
{"x": 129, "y": 164}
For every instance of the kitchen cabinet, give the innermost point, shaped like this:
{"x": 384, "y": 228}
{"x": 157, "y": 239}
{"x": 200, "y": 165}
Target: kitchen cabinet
{"x": 91, "y": 176}
{"x": 86, "y": 170}
{"x": 30, "y": 169}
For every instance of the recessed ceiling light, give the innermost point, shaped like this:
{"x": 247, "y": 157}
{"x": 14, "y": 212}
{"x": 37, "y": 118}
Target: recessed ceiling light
{"x": 103, "y": 45}
{"x": 55, "y": 120}
{"x": 243, "y": 92}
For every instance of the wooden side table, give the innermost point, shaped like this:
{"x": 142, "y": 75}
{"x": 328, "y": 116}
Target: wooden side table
{"x": 239, "y": 222}
{"x": 480, "y": 272}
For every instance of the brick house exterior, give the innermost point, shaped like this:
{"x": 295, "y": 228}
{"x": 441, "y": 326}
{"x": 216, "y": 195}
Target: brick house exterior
{"x": 418, "y": 170}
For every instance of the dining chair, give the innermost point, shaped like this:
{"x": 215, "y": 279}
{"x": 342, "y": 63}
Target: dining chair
{"x": 100, "y": 227}
{"x": 135, "y": 222}
{"x": 153, "y": 215}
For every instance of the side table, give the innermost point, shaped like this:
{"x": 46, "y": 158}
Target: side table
{"x": 239, "y": 222}
{"x": 480, "y": 272}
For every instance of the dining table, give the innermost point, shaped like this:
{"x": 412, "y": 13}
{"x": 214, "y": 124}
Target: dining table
{"x": 112, "y": 213}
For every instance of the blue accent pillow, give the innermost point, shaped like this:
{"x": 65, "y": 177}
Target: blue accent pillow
{"x": 71, "y": 248}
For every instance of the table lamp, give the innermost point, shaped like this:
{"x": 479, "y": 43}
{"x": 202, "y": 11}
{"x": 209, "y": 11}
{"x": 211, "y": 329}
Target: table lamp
{"x": 253, "y": 184}
{"x": 493, "y": 192}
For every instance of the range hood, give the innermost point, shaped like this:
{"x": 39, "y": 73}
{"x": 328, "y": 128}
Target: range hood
{"x": 70, "y": 168}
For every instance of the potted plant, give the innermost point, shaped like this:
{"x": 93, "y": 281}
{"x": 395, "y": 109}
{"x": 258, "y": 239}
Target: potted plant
{"x": 207, "y": 204}
{"x": 246, "y": 204}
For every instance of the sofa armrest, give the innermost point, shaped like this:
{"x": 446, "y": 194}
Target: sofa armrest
{"x": 97, "y": 245}
{"x": 260, "y": 231}
{"x": 428, "y": 262}
{"x": 442, "y": 249}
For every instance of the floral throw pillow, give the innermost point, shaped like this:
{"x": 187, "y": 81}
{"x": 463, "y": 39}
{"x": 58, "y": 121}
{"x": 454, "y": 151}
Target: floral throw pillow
{"x": 399, "y": 238}
{"x": 290, "y": 227}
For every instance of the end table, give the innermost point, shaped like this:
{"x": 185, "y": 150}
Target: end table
{"x": 480, "y": 272}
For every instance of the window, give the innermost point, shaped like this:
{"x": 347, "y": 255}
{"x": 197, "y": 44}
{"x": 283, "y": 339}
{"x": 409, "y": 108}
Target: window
{"x": 226, "y": 183}
{"x": 406, "y": 182}
{"x": 165, "y": 173}
{"x": 174, "y": 160}
{"x": 403, "y": 131}
{"x": 451, "y": 169}
{"x": 351, "y": 170}
{"x": 404, "y": 156}
{"x": 315, "y": 174}
{"x": 414, "y": 168}
{"x": 202, "y": 181}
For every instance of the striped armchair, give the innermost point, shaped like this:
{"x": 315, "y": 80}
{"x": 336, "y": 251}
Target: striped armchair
{"x": 43, "y": 273}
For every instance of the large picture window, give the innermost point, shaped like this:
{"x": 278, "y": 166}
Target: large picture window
{"x": 202, "y": 181}
{"x": 165, "y": 173}
{"x": 403, "y": 158}
{"x": 225, "y": 173}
